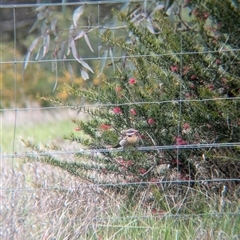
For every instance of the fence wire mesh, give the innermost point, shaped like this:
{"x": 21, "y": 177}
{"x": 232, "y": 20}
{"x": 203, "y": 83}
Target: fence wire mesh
{"x": 39, "y": 201}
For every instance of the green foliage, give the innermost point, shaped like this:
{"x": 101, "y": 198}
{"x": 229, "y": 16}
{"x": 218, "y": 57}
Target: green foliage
{"x": 178, "y": 86}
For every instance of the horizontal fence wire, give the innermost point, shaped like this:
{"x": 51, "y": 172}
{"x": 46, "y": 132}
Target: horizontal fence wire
{"x": 129, "y": 56}
{"x": 99, "y": 105}
{"x": 23, "y": 5}
{"x": 109, "y": 150}
{"x": 142, "y": 183}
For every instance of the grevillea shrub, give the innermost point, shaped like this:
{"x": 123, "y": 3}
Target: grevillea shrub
{"x": 177, "y": 82}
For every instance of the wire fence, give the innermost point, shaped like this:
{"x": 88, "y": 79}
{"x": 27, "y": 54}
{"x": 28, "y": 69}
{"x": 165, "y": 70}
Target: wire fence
{"x": 40, "y": 202}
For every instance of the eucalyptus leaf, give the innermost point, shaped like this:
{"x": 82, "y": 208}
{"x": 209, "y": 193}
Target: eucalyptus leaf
{"x": 84, "y": 64}
{"x": 30, "y": 50}
{"x": 34, "y": 44}
{"x": 55, "y": 85}
{"x": 26, "y": 60}
{"x": 80, "y": 34}
{"x": 74, "y": 50}
{"x": 38, "y": 54}
{"x": 61, "y": 53}
{"x": 103, "y": 60}
{"x": 77, "y": 14}
{"x": 35, "y": 26}
{"x": 87, "y": 41}
{"x": 70, "y": 70}
{"x": 84, "y": 75}
{"x": 46, "y": 43}
{"x": 54, "y": 26}
{"x": 157, "y": 8}
{"x": 112, "y": 59}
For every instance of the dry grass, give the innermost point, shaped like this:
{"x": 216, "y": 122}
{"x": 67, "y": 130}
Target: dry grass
{"x": 43, "y": 202}
{"x": 40, "y": 202}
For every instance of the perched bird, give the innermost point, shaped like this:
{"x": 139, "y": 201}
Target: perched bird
{"x": 128, "y": 137}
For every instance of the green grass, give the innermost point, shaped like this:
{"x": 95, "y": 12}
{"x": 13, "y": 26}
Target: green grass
{"x": 41, "y": 133}
{"x": 170, "y": 227}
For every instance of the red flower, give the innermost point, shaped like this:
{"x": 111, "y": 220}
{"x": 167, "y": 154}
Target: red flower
{"x": 177, "y": 162}
{"x": 210, "y": 86}
{"x": 117, "y": 110}
{"x": 151, "y": 121}
{"x": 195, "y": 12}
{"x": 105, "y": 126}
{"x": 214, "y": 41}
{"x": 125, "y": 163}
{"x": 141, "y": 136}
{"x": 205, "y": 15}
{"x": 77, "y": 129}
{"x": 118, "y": 89}
{"x": 186, "y": 69}
{"x": 132, "y": 81}
{"x": 192, "y": 86}
{"x": 224, "y": 80}
{"x": 186, "y": 126}
{"x": 133, "y": 112}
{"x": 200, "y": 15}
{"x": 186, "y": 3}
{"x": 153, "y": 180}
{"x": 193, "y": 77}
{"x": 184, "y": 177}
{"x": 104, "y": 171}
{"x": 142, "y": 170}
{"x": 209, "y": 126}
{"x": 174, "y": 68}
{"x": 218, "y": 61}
{"x": 180, "y": 141}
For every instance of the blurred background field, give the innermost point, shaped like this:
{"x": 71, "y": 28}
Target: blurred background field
{"x": 40, "y": 126}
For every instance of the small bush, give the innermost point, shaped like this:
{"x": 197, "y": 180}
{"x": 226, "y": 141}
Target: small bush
{"x": 178, "y": 84}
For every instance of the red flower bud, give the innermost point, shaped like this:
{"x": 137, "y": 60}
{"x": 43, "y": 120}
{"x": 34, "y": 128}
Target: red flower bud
{"x": 132, "y": 81}
{"x": 151, "y": 121}
{"x": 174, "y": 68}
{"x": 117, "y": 110}
{"x": 193, "y": 77}
{"x": 133, "y": 112}
{"x": 105, "y": 126}
{"x": 142, "y": 170}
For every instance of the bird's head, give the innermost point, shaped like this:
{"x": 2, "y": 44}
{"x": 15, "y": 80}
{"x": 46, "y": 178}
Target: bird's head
{"x": 131, "y": 132}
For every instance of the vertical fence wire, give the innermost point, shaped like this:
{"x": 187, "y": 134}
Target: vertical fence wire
{"x": 15, "y": 124}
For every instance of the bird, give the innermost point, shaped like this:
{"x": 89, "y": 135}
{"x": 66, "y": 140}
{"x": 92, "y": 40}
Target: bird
{"x": 128, "y": 137}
